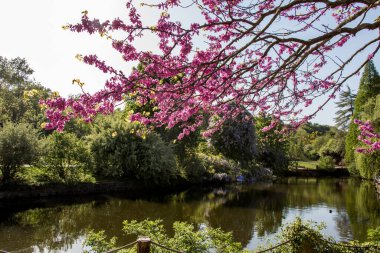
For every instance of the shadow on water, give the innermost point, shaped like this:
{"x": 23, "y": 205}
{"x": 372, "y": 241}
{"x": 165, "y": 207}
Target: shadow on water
{"x": 252, "y": 212}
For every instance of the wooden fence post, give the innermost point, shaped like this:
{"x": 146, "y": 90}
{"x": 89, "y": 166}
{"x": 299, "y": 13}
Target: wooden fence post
{"x": 143, "y": 245}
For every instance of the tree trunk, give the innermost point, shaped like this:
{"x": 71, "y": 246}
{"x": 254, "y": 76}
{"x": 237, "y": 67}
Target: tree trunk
{"x": 7, "y": 174}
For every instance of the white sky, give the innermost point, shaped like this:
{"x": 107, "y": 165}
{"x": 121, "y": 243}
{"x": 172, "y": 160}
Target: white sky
{"x": 32, "y": 30}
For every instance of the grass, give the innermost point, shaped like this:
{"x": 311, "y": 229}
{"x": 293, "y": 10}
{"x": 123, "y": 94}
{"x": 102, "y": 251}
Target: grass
{"x": 312, "y": 165}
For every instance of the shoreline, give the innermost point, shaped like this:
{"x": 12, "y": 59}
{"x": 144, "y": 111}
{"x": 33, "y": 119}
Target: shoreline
{"x": 338, "y": 172}
{"x": 17, "y": 192}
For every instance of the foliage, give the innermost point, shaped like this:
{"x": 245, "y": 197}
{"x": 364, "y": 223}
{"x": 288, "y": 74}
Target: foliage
{"x": 374, "y": 235}
{"x": 98, "y": 242}
{"x": 315, "y": 128}
{"x": 326, "y": 162}
{"x": 345, "y": 107}
{"x": 330, "y": 141}
{"x": 19, "y": 95}
{"x": 368, "y": 164}
{"x": 272, "y": 146}
{"x": 307, "y": 237}
{"x": 18, "y": 146}
{"x": 237, "y": 139}
{"x": 332, "y": 144}
{"x": 67, "y": 157}
{"x": 186, "y": 238}
{"x": 312, "y": 165}
{"x": 123, "y": 149}
{"x": 296, "y": 237}
{"x": 369, "y": 87}
{"x": 300, "y": 145}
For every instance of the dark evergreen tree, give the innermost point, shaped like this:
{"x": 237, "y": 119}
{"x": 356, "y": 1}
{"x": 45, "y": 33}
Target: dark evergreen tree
{"x": 345, "y": 107}
{"x": 237, "y": 139}
{"x": 369, "y": 87}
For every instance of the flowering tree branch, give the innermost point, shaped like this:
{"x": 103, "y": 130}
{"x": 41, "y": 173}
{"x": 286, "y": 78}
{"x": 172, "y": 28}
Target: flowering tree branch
{"x": 273, "y": 56}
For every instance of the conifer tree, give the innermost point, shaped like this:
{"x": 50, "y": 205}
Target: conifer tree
{"x": 369, "y": 87}
{"x": 345, "y": 107}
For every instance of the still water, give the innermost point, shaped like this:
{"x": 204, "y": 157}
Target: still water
{"x": 254, "y": 213}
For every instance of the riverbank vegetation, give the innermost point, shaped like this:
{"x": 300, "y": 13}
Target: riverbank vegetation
{"x": 113, "y": 147}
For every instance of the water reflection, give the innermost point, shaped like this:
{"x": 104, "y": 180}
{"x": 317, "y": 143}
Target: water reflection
{"x": 254, "y": 213}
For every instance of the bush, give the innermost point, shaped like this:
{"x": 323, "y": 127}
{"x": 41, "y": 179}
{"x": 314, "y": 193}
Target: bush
{"x": 185, "y": 238}
{"x": 18, "y": 146}
{"x": 368, "y": 165}
{"x": 326, "y": 162}
{"x": 128, "y": 150}
{"x": 273, "y": 148}
{"x": 307, "y": 237}
{"x": 67, "y": 158}
{"x": 297, "y": 237}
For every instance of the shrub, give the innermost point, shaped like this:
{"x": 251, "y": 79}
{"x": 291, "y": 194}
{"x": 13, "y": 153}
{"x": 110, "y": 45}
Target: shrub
{"x": 18, "y": 146}
{"x": 185, "y": 238}
{"x": 273, "y": 148}
{"x": 297, "y": 237}
{"x": 326, "y": 162}
{"x": 368, "y": 165}
{"x": 67, "y": 158}
{"x": 128, "y": 150}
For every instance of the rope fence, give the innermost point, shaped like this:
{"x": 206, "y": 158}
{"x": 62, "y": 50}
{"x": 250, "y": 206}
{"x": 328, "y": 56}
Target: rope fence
{"x": 144, "y": 243}
{"x": 143, "y": 246}
{"x": 354, "y": 246}
{"x": 274, "y": 247}
{"x": 167, "y": 248}
{"x": 122, "y": 247}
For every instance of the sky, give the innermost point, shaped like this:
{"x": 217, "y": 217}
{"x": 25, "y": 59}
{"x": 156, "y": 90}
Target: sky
{"x": 32, "y": 30}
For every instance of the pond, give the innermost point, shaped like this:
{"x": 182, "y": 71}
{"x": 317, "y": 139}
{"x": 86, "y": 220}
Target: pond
{"x": 253, "y": 212}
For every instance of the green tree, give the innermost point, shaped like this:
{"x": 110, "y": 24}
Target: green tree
{"x": 19, "y": 94}
{"x": 18, "y": 146}
{"x": 272, "y": 146}
{"x": 368, "y": 165}
{"x": 66, "y": 157}
{"x": 369, "y": 87}
{"x": 345, "y": 107}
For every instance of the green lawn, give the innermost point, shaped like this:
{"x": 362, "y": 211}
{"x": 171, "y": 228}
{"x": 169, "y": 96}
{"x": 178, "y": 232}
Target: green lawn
{"x": 307, "y": 165}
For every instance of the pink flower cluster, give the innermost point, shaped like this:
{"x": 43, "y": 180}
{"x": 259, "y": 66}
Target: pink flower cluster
{"x": 368, "y": 136}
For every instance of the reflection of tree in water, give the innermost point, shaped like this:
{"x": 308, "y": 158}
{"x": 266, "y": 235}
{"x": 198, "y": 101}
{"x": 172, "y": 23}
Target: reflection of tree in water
{"x": 343, "y": 225}
{"x": 259, "y": 209}
{"x": 363, "y": 207}
{"x": 58, "y": 227}
{"x": 262, "y": 207}
{"x": 50, "y": 228}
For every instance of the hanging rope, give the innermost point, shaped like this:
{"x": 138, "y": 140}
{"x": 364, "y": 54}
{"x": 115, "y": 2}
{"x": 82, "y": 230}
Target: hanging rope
{"x": 354, "y": 246}
{"x": 122, "y": 247}
{"x": 274, "y": 247}
{"x": 21, "y": 250}
{"x": 165, "y": 247}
